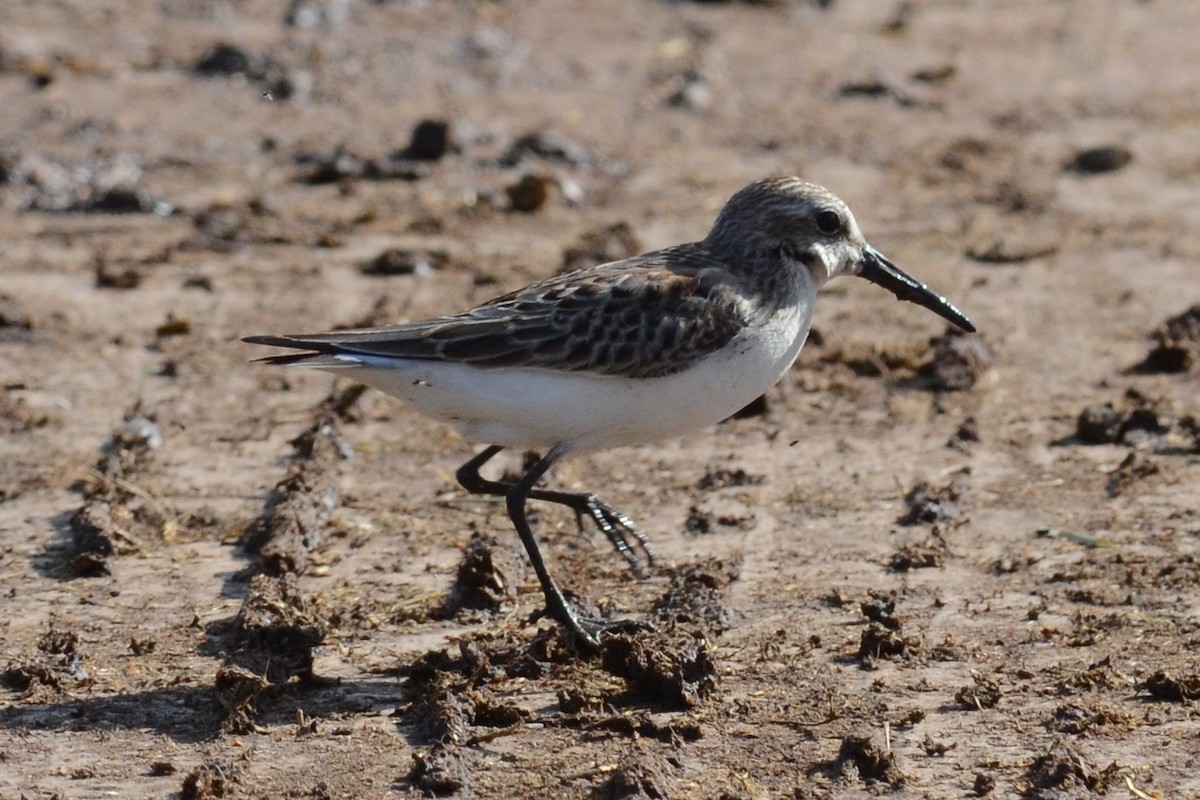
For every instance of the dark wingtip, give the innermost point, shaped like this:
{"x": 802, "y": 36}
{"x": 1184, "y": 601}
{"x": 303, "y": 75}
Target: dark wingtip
{"x": 273, "y": 341}
{"x": 283, "y": 341}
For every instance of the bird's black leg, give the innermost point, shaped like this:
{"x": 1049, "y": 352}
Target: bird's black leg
{"x": 586, "y": 631}
{"x": 618, "y": 528}
{"x": 469, "y": 478}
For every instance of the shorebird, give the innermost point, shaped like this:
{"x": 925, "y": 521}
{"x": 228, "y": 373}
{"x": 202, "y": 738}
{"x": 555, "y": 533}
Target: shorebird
{"x": 622, "y": 353}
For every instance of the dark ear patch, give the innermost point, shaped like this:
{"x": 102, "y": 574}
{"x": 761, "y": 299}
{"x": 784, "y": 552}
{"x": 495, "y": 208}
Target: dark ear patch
{"x": 789, "y": 251}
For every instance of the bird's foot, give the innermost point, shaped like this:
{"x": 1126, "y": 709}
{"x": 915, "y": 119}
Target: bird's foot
{"x": 588, "y": 632}
{"x": 621, "y": 531}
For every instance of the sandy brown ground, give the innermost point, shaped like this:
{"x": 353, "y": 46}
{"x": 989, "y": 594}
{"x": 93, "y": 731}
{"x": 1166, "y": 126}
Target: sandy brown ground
{"x": 811, "y": 645}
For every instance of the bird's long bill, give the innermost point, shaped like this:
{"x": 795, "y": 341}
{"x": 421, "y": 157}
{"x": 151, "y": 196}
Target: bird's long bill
{"x": 878, "y": 270}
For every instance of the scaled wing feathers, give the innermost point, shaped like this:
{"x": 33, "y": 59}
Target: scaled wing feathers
{"x": 644, "y": 320}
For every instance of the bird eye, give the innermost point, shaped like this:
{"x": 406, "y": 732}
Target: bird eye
{"x": 829, "y": 222}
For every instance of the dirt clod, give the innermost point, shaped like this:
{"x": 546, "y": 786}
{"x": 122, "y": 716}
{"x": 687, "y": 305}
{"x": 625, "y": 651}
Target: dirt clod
{"x": 294, "y": 523}
{"x": 1096, "y": 160}
{"x": 669, "y": 671}
{"x": 1063, "y": 773}
{"x": 931, "y": 552}
{"x": 933, "y": 504}
{"x": 1134, "y": 468}
{"x": 600, "y": 246}
{"x": 881, "y": 610}
{"x": 295, "y": 519}
{"x": 402, "y": 261}
{"x": 1161, "y": 686}
{"x": 865, "y": 757}
{"x": 529, "y": 193}
{"x": 208, "y": 780}
{"x": 1178, "y": 344}
{"x": 878, "y": 642}
{"x": 478, "y": 583}
{"x": 957, "y": 361}
{"x": 727, "y": 478}
{"x": 695, "y": 599}
{"x": 431, "y": 140}
{"x": 1138, "y": 421}
{"x": 276, "y": 629}
{"x": 985, "y": 692}
{"x": 440, "y": 771}
{"x": 57, "y": 665}
{"x": 640, "y": 779}
{"x": 235, "y": 693}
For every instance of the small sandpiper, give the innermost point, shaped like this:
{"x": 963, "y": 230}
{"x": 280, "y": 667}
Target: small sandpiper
{"x": 622, "y": 353}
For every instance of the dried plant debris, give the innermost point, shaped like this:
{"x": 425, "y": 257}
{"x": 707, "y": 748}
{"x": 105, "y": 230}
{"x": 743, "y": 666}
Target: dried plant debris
{"x": 272, "y": 641}
{"x": 1063, "y": 773}
{"x": 879, "y": 643}
{"x": 721, "y": 478}
{"x": 547, "y": 147}
{"x": 1177, "y": 347}
{"x": 449, "y": 694}
{"x": 984, "y": 784}
{"x": 236, "y": 692}
{"x": 882, "y": 610}
{"x": 93, "y": 185}
{"x": 637, "y": 725}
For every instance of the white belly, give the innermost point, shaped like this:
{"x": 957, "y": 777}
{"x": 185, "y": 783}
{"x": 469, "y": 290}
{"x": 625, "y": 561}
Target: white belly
{"x": 538, "y": 408}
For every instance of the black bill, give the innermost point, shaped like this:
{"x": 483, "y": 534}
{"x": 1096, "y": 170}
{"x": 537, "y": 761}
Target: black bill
{"x": 878, "y": 270}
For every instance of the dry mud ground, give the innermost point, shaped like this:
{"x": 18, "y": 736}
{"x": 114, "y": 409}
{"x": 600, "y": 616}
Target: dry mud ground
{"x": 223, "y": 580}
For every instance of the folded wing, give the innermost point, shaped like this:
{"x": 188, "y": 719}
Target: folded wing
{"x": 641, "y": 321}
